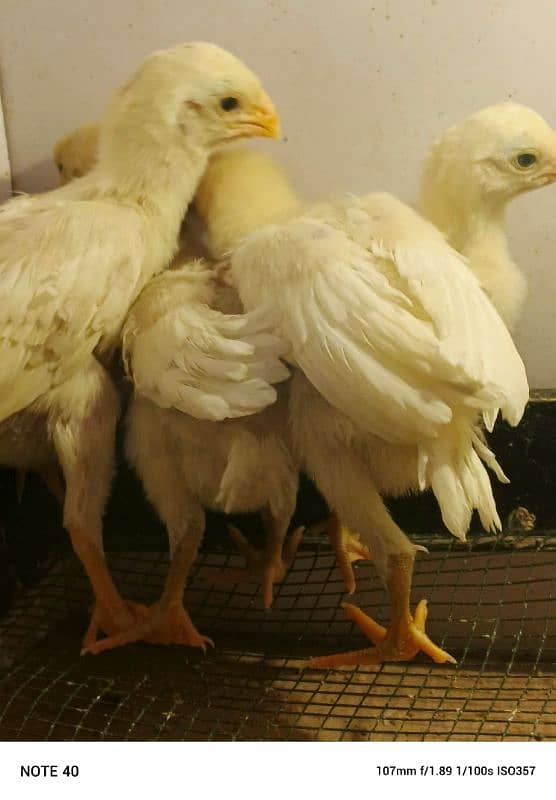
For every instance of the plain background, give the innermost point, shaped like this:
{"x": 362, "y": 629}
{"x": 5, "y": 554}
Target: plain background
{"x": 363, "y": 86}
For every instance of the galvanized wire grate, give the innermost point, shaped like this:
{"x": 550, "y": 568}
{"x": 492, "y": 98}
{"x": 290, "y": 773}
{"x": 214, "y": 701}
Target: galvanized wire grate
{"x": 493, "y": 608}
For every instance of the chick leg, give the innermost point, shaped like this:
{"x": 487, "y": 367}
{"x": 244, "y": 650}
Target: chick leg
{"x": 279, "y": 553}
{"x": 251, "y": 461}
{"x": 268, "y": 566}
{"x": 171, "y": 623}
{"x": 405, "y": 635}
{"x": 153, "y": 452}
{"x": 167, "y": 621}
{"x": 50, "y": 476}
{"x": 347, "y": 548}
{"x": 82, "y": 420}
{"x": 348, "y": 490}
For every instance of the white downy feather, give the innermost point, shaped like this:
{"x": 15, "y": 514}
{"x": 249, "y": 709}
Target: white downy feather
{"x": 392, "y": 328}
{"x": 73, "y": 260}
{"x": 181, "y": 353}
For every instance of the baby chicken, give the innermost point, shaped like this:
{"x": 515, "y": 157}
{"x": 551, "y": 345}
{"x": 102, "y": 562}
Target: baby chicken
{"x": 186, "y": 319}
{"x": 399, "y": 354}
{"x": 471, "y": 173}
{"x": 72, "y": 261}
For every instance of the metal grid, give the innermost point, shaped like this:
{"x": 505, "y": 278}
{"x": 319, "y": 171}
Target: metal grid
{"x": 492, "y": 607}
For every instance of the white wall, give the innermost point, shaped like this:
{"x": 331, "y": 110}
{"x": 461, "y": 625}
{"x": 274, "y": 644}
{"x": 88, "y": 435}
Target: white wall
{"x": 362, "y": 86}
{"x": 5, "y": 174}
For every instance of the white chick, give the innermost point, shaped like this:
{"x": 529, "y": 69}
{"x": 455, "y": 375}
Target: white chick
{"x": 471, "y": 173}
{"x": 399, "y": 355}
{"x": 72, "y": 261}
{"x": 185, "y": 322}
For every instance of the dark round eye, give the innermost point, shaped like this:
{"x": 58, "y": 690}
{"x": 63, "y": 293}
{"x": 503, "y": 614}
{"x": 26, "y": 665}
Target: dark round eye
{"x": 229, "y": 103}
{"x": 60, "y": 167}
{"x": 525, "y": 160}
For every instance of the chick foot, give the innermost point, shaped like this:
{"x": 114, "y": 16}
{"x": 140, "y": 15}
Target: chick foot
{"x": 401, "y": 642}
{"x": 112, "y": 622}
{"x": 262, "y": 567}
{"x": 347, "y": 547}
{"x": 157, "y": 625}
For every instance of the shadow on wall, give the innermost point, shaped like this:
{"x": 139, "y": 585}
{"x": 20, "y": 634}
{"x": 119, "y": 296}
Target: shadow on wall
{"x": 43, "y": 174}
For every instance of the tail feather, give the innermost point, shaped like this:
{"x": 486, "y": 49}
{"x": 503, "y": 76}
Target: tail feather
{"x": 454, "y": 505}
{"x": 461, "y": 483}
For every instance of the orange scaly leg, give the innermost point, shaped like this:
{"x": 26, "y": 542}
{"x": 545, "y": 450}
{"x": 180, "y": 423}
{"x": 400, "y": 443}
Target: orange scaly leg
{"x": 268, "y": 566}
{"x": 347, "y": 547}
{"x": 167, "y": 621}
{"x": 405, "y": 635}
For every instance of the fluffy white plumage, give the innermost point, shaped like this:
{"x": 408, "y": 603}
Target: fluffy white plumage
{"x": 241, "y": 191}
{"x": 73, "y": 260}
{"x": 182, "y": 353}
{"x": 390, "y": 326}
{"x": 470, "y": 175}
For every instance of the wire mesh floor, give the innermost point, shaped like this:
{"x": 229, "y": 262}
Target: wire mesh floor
{"x": 493, "y": 609}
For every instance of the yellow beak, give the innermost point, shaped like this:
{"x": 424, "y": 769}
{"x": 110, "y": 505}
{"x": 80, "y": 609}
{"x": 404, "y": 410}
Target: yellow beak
{"x": 260, "y": 120}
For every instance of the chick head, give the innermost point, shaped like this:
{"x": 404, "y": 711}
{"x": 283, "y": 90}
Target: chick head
{"x": 76, "y": 154}
{"x": 195, "y": 92}
{"x": 241, "y": 190}
{"x": 499, "y": 152}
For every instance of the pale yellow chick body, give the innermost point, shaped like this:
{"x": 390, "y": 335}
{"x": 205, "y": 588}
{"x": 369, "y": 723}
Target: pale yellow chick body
{"x": 470, "y": 175}
{"x": 72, "y": 261}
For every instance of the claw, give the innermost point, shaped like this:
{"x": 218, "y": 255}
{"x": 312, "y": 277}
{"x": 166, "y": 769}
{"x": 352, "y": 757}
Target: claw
{"x": 154, "y": 626}
{"x": 115, "y": 626}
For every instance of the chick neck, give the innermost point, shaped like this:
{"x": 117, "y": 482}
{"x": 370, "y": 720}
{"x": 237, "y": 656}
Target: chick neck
{"x": 141, "y": 168}
{"x": 474, "y": 223}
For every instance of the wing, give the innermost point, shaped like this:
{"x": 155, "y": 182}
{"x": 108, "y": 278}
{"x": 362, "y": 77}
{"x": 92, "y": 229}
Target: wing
{"x": 185, "y": 355}
{"x": 384, "y": 318}
{"x": 68, "y": 273}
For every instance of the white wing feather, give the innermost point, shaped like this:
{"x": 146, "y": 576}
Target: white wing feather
{"x": 394, "y": 335}
{"x": 185, "y": 355}
{"x": 393, "y": 329}
{"x": 68, "y": 272}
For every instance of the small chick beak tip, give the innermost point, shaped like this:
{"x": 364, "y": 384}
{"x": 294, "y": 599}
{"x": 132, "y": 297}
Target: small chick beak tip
{"x": 266, "y": 119}
{"x": 270, "y": 126}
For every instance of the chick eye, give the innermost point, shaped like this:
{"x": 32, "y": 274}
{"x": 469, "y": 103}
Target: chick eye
{"x": 60, "y": 167}
{"x": 525, "y": 160}
{"x": 229, "y": 103}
